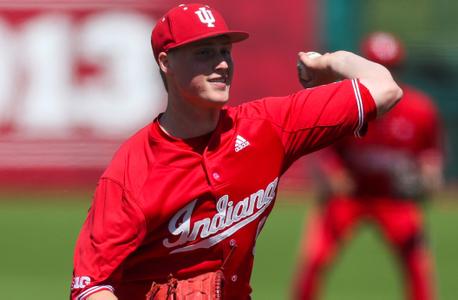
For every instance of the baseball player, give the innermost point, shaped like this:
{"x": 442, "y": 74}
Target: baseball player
{"x": 177, "y": 212}
{"x": 381, "y": 178}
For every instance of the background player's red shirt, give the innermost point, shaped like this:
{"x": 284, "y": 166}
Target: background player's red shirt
{"x": 386, "y": 161}
{"x": 163, "y": 206}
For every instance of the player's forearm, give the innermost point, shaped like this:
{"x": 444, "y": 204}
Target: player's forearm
{"x": 321, "y": 69}
{"x": 102, "y": 295}
{"x": 375, "y": 77}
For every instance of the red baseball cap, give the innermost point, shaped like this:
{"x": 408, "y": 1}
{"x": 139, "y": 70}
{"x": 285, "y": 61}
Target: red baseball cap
{"x": 383, "y": 48}
{"x": 188, "y": 23}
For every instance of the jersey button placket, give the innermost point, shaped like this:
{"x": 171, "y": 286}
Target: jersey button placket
{"x": 216, "y": 176}
{"x": 213, "y": 174}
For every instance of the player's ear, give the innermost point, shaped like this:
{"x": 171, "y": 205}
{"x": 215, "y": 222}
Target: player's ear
{"x": 163, "y": 61}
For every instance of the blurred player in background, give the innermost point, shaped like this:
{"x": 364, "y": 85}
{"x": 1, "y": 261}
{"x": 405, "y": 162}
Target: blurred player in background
{"x": 383, "y": 178}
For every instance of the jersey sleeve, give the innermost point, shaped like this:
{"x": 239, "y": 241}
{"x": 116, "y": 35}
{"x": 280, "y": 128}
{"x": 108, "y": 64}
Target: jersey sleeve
{"x": 314, "y": 118}
{"x": 114, "y": 227}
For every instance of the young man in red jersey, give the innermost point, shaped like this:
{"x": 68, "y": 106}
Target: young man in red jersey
{"x": 381, "y": 178}
{"x": 189, "y": 193}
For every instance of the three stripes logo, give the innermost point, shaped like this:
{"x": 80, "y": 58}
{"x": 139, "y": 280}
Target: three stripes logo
{"x": 240, "y": 143}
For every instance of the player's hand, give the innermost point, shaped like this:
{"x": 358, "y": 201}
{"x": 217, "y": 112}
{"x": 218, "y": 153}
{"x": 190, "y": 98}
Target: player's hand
{"x": 313, "y": 69}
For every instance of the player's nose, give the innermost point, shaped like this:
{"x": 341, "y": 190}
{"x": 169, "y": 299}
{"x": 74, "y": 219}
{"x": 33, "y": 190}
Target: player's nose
{"x": 222, "y": 65}
{"x": 223, "y": 61}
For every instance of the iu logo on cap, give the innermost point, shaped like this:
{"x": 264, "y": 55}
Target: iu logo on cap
{"x": 206, "y": 16}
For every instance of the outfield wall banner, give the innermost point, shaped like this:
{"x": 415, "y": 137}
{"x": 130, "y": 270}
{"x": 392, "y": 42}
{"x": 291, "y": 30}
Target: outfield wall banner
{"x": 78, "y": 77}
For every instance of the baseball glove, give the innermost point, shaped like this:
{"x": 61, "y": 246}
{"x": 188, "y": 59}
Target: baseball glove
{"x": 207, "y": 286}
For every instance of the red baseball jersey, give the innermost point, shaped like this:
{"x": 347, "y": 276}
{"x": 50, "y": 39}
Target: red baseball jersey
{"x": 185, "y": 207}
{"x": 386, "y": 162}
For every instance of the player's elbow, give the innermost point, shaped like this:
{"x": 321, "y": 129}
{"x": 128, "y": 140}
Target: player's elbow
{"x": 388, "y": 96}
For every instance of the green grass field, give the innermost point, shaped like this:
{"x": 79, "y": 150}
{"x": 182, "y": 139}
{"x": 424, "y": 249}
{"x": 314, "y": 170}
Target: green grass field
{"x": 38, "y": 233}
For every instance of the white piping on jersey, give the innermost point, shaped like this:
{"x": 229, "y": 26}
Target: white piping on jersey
{"x": 223, "y": 221}
{"x": 359, "y": 103}
{"x": 94, "y": 289}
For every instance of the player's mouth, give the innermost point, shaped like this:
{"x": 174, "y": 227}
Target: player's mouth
{"x": 219, "y": 81}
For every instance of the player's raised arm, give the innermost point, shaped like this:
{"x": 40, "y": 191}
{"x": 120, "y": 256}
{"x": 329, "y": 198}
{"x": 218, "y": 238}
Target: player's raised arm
{"x": 322, "y": 69}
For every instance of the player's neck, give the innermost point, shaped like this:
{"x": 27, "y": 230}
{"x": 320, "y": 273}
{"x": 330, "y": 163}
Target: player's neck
{"x": 187, "y": 121}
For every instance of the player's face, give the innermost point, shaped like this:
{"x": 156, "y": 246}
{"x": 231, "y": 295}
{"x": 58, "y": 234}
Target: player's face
{"x": 202, "y": 72}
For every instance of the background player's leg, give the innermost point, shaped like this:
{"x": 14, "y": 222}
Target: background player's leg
{"x": 402, "y": 225}
{"x": 327, "y": 226}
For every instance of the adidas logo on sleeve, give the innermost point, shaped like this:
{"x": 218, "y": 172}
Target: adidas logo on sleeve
{"x": 240, "y": 143}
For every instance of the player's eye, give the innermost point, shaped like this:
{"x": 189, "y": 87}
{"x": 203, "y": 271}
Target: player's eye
{"x": 205, "y": 52}
{"x": 226, "y": 52}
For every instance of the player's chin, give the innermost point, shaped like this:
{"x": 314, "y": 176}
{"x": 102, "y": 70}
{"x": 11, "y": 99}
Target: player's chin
{"x": 219, "y": 95}
{"x": 216, "y": 101}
